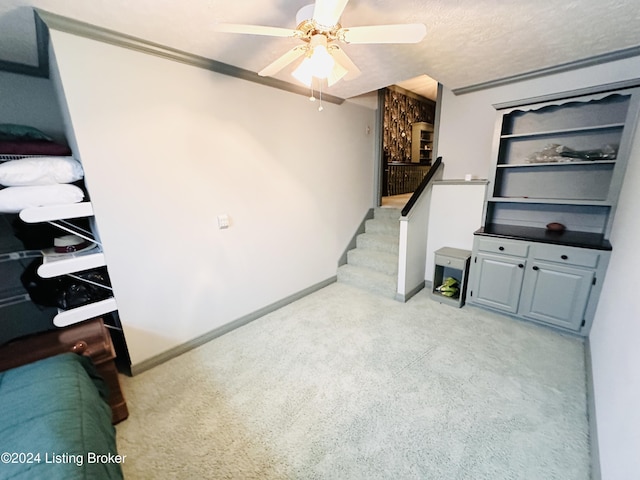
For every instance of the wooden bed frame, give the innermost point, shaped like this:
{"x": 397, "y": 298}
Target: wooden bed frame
{"x": 90, "y": 338}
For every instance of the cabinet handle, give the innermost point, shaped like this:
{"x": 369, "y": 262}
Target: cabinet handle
{"x": 80, "y": 347}
{"x": 535, "y": 268}
{"x": 501, "y": 248}
{"x": 520, "y": 265}
{"x": 564, "y": 257}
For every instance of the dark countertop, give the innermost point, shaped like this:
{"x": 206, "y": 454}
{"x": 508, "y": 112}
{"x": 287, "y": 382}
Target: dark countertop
{"x": 570, "y": 238}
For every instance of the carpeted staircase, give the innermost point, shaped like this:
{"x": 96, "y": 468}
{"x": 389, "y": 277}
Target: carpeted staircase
{"x": 373, "y": 264}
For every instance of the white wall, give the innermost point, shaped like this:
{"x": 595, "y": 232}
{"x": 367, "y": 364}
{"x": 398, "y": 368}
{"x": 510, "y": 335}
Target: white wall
{"x": 413, "y": 240}
{"x": 30, "y": 101}
{"x": 414, "y": 236}
{"x": 456, "y": 209}
{"x": 615, "y": 337}
{"x": 466, "y": 133}
{"x": 167, "y": 147}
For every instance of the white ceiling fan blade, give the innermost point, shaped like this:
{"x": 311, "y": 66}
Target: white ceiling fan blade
{"x": 283, "y": 61}
{"x": 343, "y": 59}
{"x": 404, "y": 33}
{"x": 255, "y": 30}
{"x": 327, "y": 12}
{"x": 336, "y": 74}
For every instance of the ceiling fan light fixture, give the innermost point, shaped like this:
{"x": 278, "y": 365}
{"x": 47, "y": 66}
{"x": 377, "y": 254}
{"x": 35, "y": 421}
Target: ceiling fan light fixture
{"x": 318, "y": 63}
{"x": 303, "y": 72}
{"x": 320, "y": 32}
{"x": 321, "y": 62}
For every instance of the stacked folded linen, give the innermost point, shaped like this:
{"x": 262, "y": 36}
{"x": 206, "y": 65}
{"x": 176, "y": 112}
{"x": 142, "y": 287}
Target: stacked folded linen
{"x": 39, "y": 181}
{"x": 35, "y": 181}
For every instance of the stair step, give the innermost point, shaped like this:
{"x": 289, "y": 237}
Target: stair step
{"x": 382, "y": 262}
{"x": 373, "y": 264}
{"x": 379, "y": 242}
{"x": 384, "y": 226}
{"x": 385, "y": 213}
{"x": 370, "y": 280}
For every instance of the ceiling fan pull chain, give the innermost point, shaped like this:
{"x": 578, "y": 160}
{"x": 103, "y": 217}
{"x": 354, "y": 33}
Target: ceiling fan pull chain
{"x": 312, "y": 98}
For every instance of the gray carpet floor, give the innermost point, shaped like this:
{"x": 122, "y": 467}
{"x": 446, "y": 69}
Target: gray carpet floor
{"x": 345, "y": 385}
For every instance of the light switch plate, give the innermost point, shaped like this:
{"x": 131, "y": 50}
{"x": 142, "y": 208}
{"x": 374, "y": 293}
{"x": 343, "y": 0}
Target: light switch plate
{"x": 223, "y": 221}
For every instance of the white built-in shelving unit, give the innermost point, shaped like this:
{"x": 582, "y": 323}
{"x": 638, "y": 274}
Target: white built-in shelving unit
{"x": 55, "y": 264}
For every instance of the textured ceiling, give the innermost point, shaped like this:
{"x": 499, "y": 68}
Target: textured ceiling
{"x": 468, "y": 41}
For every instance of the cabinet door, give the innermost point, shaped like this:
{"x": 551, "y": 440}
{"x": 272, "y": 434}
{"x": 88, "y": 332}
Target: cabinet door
{"x": 497, "y": 282}
{"x": 556, "y": 294}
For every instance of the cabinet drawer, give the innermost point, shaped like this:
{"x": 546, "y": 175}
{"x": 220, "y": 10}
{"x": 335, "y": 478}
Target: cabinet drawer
{"x": 452, "y": 262}
{"x": 506, "y": 247}
{"x": 566, "y": 255}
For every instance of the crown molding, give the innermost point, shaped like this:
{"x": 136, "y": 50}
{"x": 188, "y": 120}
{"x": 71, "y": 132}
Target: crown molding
{"x": 543, "y": 72}
{"x": 597, "y": 89}
{"x": 93, "y": 32}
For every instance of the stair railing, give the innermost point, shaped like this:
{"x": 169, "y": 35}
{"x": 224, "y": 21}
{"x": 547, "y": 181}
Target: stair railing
{"x": 425, "y": 181}
{"x": 413, "y": 238}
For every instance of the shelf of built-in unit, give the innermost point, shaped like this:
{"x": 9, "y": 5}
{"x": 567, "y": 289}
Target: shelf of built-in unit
{"x": 56, "y": 212}
{"x": 549, "y": 201}
{"x": 55, "y": 264}
{"x": 564, "y": 131}
{"x": 579, "y": 180}
{"x": 85, "y": 312}
{"x": 556, "y": 164}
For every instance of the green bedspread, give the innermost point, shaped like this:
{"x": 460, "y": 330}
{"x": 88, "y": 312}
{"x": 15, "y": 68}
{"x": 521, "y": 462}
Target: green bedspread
{"x": 55, "y": 422}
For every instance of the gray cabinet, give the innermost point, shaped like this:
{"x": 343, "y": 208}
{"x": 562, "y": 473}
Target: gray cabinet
{"x": 557, "y": 160}
{"x": 497, "y": 273}
{"x": 454, "y": 263}
{"x": 550, "y": 284}
{"x": 498, "y": 281}
{"x": 557, "y": 295}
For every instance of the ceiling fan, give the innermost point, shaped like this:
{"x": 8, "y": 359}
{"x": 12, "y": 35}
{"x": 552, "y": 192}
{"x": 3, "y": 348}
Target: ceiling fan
{"x": 321, "y": 33}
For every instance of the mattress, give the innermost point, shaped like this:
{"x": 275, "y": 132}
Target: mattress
{"x": 56, "y": 423}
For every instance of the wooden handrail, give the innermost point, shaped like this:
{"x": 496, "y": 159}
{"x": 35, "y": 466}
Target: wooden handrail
{"x": 425, "y": 181}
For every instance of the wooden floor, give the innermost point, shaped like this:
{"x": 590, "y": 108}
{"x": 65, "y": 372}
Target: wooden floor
{"x": 396, "y": 201}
